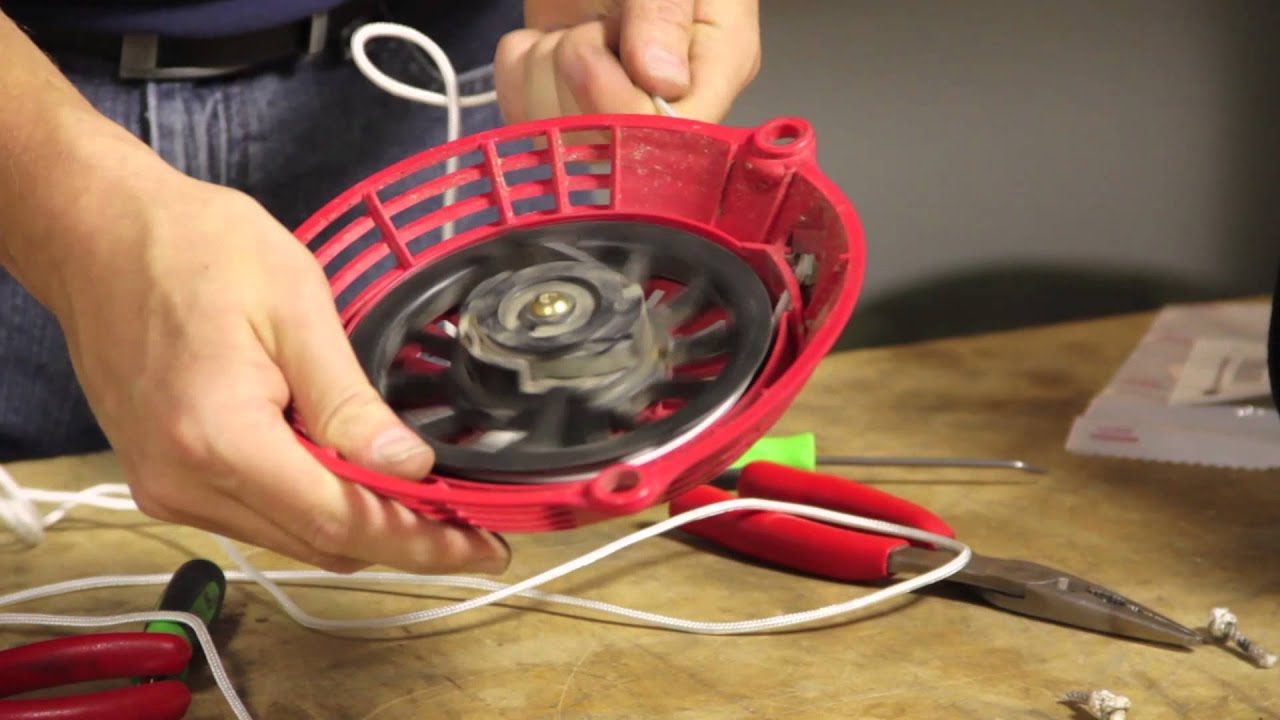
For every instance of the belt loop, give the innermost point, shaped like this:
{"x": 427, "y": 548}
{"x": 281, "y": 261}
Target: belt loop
{"x": 319, "y": 34}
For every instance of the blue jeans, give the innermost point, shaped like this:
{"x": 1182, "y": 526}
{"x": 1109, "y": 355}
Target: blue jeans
{"x": 292, "y": 138}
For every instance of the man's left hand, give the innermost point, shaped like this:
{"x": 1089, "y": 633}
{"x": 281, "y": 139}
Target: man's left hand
{"x": 612, "y": 56}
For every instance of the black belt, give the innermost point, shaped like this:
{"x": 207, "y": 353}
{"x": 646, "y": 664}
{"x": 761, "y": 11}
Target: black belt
{"x": 152, "y": 57}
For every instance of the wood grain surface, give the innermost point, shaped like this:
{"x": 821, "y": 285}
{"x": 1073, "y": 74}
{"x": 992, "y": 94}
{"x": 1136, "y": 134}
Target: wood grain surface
{"x": 1181, "y": 539}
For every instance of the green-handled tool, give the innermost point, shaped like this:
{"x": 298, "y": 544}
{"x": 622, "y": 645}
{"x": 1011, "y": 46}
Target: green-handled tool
{"x": 198, "y": 587}
{"x": 801, "y": 451}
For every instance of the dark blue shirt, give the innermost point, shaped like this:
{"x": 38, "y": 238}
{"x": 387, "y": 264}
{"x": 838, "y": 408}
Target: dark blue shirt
{"x": 175, "y": 18}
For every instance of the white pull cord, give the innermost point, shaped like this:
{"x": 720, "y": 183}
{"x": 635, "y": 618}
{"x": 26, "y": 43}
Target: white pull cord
{"x": 21, "y": 501}
{"x": 452, "y": 99}
{"x": 18, "y": 510}
{"x": 18, "y": 505}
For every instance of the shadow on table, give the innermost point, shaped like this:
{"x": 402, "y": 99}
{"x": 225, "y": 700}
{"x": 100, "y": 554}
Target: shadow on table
{"x": 948, "y": 591}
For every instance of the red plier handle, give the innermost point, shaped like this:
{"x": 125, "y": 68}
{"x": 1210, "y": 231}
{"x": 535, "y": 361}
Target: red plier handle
{"x": 87, "y": 658}
{"x": 801, "y": 544}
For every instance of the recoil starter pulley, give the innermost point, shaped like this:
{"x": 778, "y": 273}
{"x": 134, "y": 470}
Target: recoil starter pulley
{"x": 613, "y": 324}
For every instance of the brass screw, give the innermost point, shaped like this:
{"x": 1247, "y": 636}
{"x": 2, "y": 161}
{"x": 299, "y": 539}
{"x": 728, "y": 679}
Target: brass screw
{"x": 550, "y": 304}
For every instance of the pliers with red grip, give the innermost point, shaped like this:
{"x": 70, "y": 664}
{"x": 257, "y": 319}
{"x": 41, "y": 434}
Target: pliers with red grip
{"x": 151, "y": 657}
{"x": 848, "y": 555}
{"x": 156, "y": 660}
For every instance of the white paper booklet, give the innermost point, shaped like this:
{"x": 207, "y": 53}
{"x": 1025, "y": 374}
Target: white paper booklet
{"x": 1194, "y": 390}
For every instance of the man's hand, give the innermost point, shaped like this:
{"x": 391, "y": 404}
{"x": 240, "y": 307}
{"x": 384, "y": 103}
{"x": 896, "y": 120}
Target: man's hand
{"x": 192, "y": 330}
{"x": 194, "y": 319}
{"x": 612, "y": 56}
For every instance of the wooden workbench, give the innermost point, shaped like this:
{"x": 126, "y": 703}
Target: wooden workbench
{"x": 1181, "y": 539}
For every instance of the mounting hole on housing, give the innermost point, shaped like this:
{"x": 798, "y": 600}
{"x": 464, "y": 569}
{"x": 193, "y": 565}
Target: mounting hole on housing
{"x": 783, "y": 137}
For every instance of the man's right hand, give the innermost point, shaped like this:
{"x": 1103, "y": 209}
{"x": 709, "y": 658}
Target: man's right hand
{"x": 194, "y": 319}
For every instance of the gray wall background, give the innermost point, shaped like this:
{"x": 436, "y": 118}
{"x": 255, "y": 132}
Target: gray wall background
{"x": 1066, "y": 158}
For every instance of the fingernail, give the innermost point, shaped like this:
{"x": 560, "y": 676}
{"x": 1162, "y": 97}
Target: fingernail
{"x": 397, "y": 445}
{"x": 665, "y": 65}
{"x": 499, "y": 560}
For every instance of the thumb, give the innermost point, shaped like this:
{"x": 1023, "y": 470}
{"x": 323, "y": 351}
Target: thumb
{"x": 337, "y": 403}
{"x": 654, "y": 40}
{"x": 349, "y": 415}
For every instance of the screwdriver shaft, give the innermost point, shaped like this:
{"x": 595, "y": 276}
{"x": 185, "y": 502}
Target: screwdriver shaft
{"x": 930, "y": 462}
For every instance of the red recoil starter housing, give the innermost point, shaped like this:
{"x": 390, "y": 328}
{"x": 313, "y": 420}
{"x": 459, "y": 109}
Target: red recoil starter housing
{"x": 588, "y": 316}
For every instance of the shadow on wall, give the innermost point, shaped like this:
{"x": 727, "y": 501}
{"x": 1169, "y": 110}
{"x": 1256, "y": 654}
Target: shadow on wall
{"x": 1253, "y": 70}
{"x": 1006, "y": 298}
{"x": 989, "y": 299}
